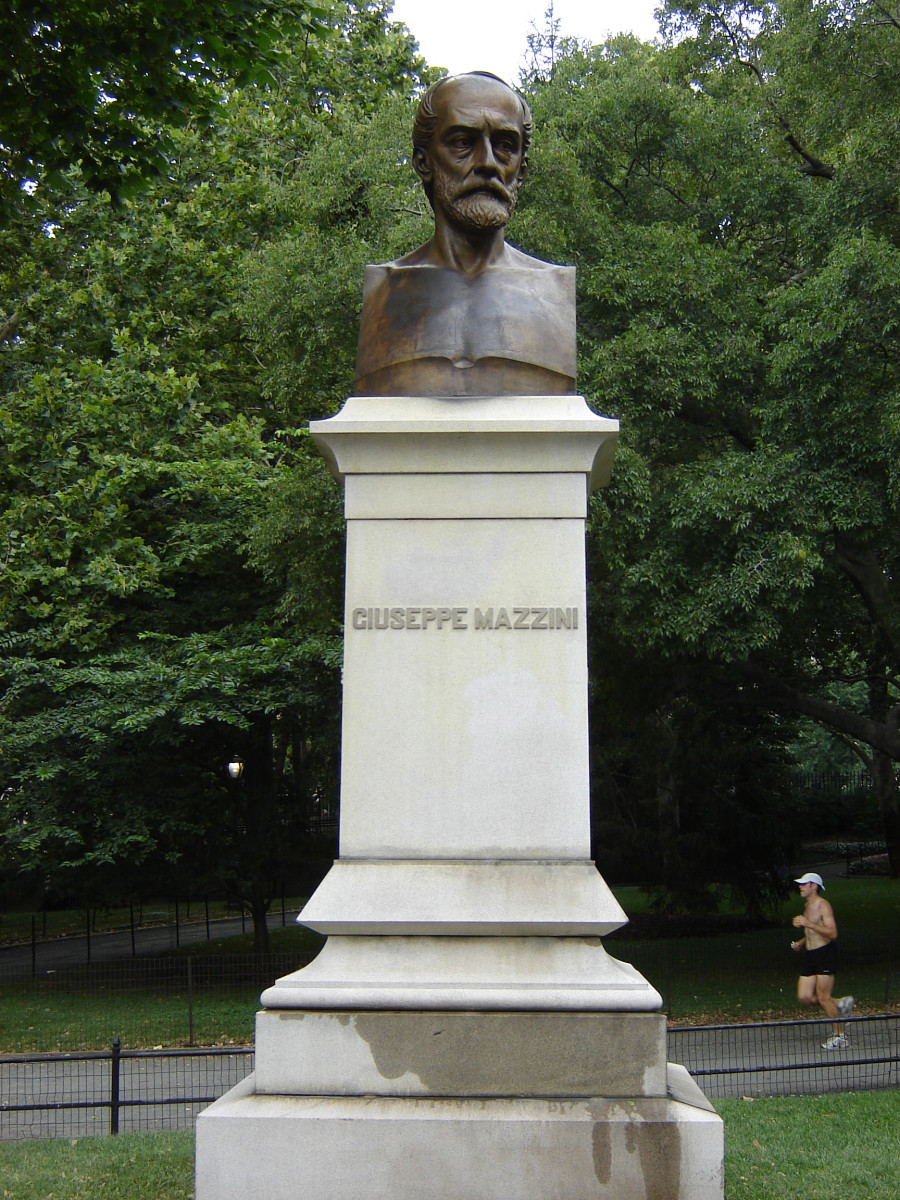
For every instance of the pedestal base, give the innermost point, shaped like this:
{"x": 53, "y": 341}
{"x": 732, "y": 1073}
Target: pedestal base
{"x": 378, "y": 1148}
{"x": 461, "y": 1106}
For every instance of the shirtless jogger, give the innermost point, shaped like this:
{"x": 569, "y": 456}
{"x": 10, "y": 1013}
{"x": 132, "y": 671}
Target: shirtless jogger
{"x": 820, "y": 957}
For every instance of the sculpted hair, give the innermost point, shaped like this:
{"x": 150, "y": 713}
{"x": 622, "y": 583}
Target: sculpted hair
{"x": 426, "y": 117}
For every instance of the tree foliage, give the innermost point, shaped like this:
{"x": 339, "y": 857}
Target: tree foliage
{"x": 172, "y": 544}
{"x": 735, "y": 223}
{"x": 94, "y": 85}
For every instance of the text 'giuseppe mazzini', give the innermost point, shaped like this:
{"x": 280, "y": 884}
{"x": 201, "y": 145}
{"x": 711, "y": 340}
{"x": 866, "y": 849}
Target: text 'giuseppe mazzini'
{"x": 439, "y": 618}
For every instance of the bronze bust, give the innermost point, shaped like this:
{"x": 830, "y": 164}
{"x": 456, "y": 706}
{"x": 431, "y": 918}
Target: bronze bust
{"x": 467, "y": 314}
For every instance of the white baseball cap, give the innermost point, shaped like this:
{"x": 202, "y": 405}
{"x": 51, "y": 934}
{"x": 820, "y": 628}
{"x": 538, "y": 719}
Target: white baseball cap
{"x": 811, "y": 877}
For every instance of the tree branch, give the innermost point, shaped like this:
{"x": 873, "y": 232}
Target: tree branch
{"x": 764, "y": 689}
{"x": 9, "y": 327}
{"x": 811, "y": 165}
{"x": 868, "y": 577}
{"x": 889, "y": 18}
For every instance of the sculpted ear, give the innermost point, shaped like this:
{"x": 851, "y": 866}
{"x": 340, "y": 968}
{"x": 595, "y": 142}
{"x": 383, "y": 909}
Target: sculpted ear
{"x": 421, "y": 165}
{"x": 523, "y": 168}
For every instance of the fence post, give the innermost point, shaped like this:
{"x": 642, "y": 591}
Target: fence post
{"x": 190, "y": 991}
{"x": 114, "y": 1068}
{"x": 131, "y": 917}
{"x": 177, "y": 926}
{"x": 206, "y": 903}
{"x": 88, "y": 931}
{"x": 33, "y": 948}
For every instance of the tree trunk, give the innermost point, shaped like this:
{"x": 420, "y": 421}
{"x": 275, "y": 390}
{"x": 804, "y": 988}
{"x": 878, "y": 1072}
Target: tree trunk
{"x": 259, "y": 911}
{"x": 886, "y": 790}
{"x": 667, "y": 808}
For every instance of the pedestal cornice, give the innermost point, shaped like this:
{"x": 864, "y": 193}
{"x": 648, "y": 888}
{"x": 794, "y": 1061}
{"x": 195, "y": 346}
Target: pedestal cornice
{"x": 435, "y": 435}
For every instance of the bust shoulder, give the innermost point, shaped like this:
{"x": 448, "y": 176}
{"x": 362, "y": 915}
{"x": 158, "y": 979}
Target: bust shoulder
{"x": 428, "y": 329}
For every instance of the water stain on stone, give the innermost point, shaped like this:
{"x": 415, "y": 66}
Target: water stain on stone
{"x": 602, "y": 1150}
{"x": 510, "y": 1054}
{"x": 631, "y": 1140}
{"x": 661, "y": 1162}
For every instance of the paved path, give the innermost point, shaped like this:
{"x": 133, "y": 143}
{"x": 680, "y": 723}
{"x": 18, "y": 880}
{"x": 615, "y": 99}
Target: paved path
{"x": 53, "y": 955}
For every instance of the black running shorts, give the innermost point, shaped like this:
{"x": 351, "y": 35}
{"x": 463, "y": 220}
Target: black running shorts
{"x": 821, "y": 961}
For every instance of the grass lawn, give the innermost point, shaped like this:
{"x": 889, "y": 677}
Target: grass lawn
{"x": 842, "y": 1146}
{"x": 133, "y": 1166}
{"x": 291, "y": 939}
{"x": 836, "y": 1147}
{"x": 858, "y": 903}
{"x": 34, "y": 1023}
{"x": 49, "y": 1015}
{"x": 752, "y": 974}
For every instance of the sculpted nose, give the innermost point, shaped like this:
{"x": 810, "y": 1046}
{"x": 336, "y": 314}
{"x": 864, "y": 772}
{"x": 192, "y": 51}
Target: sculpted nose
{"x": 485, "y": 156}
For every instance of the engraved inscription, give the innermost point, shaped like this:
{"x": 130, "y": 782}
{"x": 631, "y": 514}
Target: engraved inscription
{"x": 442, "y": 617}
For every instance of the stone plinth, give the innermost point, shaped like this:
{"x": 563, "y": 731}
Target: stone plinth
{"x": 468, "y": 1106}
{"x": 465, "y": 667}
{"x": 552, "y": 1055}
{"x": 392, "y": 1148}
{"x": 465, "y": 973}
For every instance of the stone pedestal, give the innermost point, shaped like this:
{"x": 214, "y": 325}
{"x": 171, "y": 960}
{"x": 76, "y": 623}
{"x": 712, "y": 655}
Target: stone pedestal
{"x": 461, "y": 1106}
{"x": 463, "y": 1034}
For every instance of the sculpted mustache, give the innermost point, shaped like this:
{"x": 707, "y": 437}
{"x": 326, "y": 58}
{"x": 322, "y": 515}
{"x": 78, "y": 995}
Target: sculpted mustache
{"x": 495, "y": 189}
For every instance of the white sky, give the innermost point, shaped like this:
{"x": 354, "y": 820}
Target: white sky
{"x": 489, "y": 35}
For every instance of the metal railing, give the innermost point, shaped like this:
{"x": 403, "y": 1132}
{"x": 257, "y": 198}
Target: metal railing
{"x": 112, "y": 1091}
{"x": 787, "y": 1058}
{"x": 75, "y": 1095}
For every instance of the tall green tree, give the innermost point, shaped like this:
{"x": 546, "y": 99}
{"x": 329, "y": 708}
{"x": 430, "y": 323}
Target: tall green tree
{"x": 733, "y": 204}
{"x": 173, "y": 547}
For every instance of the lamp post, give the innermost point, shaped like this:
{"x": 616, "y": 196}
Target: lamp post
{"x": 235, "y": 769}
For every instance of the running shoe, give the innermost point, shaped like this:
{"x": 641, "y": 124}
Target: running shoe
{"x": 837, "y": 1041}
{"x": 845, "y": 1005}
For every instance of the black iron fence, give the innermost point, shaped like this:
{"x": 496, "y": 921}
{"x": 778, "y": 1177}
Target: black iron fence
{"x": 114, "y": 1090}
{"x": 789, "y": 1058}
{"x": 34, "y": 942}
{"x": 77, "y": 1095}
{"x": 852, "y": 857}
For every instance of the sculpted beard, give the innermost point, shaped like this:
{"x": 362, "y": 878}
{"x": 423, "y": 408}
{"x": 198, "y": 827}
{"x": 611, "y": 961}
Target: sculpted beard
{"x": 490, "y": 207}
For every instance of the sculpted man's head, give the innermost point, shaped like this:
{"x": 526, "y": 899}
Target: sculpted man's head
{"x": 470, "y": 142}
